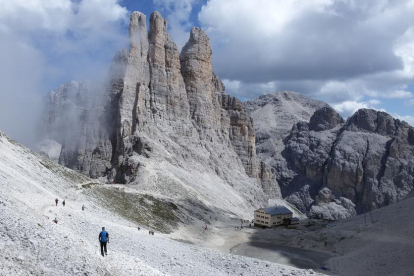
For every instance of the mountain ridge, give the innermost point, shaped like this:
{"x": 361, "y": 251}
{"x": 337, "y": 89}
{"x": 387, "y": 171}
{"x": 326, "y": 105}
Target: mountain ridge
{"x": 309, "y": 160}
{"x": 163, "y": 120}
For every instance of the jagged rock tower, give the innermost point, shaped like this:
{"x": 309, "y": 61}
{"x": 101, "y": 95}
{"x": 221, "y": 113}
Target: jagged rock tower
{"x": 169, "y": 126}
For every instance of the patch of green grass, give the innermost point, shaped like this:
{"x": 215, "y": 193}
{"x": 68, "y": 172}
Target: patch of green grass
{"x": 145, "y": 210}
{"x": 47, "y": 166}
{"x": 63, "y": 172}
{"x": 12, "y": 141}
{"x": 88, "y": 185}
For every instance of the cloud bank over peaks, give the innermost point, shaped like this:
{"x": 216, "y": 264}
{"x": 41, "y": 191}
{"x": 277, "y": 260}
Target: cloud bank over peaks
{"x": 340, "y": 51}
{"x": 46, "y": 43}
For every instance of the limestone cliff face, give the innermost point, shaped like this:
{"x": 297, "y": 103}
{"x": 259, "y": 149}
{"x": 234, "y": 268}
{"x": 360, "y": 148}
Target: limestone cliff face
{"x": 368, "y": 160}
{"x": 372, "y": 160}
{"x": 327, "y": 167}
{"x": 273, "y": 116}
{"x": 198, "y": 75}
{"x": 169, "y": 126}
{"x": 72, "y": 118}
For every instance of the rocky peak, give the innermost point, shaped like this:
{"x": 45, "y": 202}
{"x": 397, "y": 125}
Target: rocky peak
{"x": 138, "y": 33}
{"x": 197, "y": 47}
{"x": 168, "y": 126}
{"x": 274, "y": 115}
{"x": 367, "y": 161}
{"x": 325, "y": 118}
{"x": 157, "y": 39}
{"x": 370, "y": 120}
{"x": 195, "y": 60}
{"x": 200, "y": 84}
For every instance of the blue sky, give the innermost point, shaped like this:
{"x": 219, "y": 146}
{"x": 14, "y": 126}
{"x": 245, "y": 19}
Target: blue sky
{"x": 352, "y": 54}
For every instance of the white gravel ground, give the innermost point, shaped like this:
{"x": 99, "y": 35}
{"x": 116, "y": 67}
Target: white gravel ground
{"x": 31, "y": 244}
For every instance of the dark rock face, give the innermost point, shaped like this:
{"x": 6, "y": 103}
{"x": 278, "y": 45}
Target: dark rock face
{"x": 364, "y": 163}
{"x": 372, "y": 160}
{"x": 273, "y": 116}
{"x": 324, "y": 118}
{"x": 241, "y": 133}
{"x": 165, "y": 109}
{"x": 368, "y": 160}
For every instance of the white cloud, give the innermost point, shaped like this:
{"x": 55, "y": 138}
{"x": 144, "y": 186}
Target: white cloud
{"x": 59, "y": 16}
{"x": 348, "y": 108}
{"x": 233, "y": 86}
{"x": 21, "y": 15}
{"x": 339, "y": 51}
{"x": 398, "y": 94}
{"x": 46, "y": 42}
{"x": 374, "y": 102}
{"x": 265, "y": 18}
{"x": 178, "y": 17}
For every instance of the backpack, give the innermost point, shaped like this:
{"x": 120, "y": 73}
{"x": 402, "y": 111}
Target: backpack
{"x": 104, "y": 236}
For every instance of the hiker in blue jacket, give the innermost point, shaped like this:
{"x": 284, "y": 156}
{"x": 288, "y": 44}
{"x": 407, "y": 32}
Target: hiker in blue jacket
{"x": 103, "y": 239}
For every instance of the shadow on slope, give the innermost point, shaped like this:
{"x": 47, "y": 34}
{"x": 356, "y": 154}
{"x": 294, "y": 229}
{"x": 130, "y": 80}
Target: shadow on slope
{"x": 287, "y": 255}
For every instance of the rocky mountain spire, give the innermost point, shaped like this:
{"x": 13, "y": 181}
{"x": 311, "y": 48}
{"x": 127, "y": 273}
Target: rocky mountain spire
{"x": 168, "y": 125}
{"x": 157, "y": 38}
{"x": 198, "y": 76}
{"x": 138, "y": 33}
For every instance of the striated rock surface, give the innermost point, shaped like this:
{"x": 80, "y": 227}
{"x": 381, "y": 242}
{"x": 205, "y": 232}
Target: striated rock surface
{"x": 372, "y": 160}
{"x": 273, "y": 116}
{"x": 166, "y": 125}
{"x": 365, "y": 163}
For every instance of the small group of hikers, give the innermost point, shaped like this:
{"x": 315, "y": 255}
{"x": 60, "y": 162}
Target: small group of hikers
{"x": 103, "y": 235}
{"x": 63, "y": 203}
{"x": 57, "y": 201}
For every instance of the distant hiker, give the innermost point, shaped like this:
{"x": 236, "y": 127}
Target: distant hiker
{"x": 152, "y": 232}
{"x": 57, "y": 201}
{"x": 63, "y": 202}
{"x": 103, "y": 239}
{"x": 139, "y": 228}
{"x": 55, "y": 220}
{"x": 205, "y": 227}
{"x": 149, "y": 232}
{"x": 83, "y": 207}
